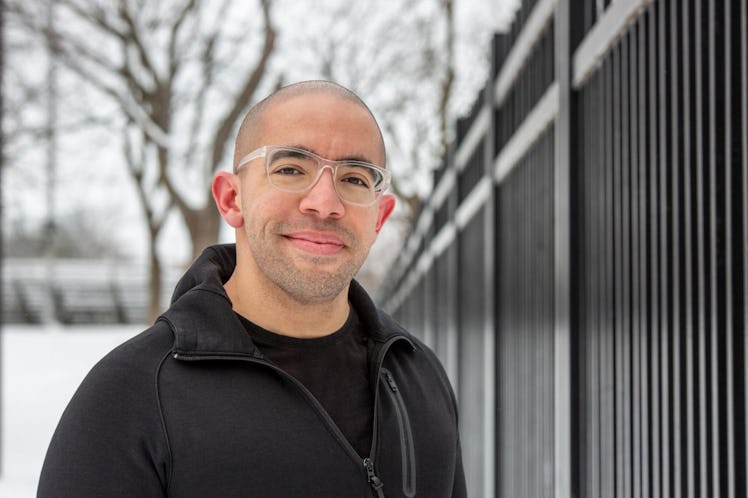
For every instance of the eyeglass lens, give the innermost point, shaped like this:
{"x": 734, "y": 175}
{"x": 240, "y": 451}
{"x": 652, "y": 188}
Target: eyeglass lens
{"x": 296, "y": 171}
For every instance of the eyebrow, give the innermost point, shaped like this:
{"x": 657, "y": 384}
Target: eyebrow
{"x": 361, "y": 159}
{"x": 292, "y": 153}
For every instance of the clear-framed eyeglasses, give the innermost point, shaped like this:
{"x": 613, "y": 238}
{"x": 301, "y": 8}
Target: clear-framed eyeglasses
{"x": 296, "y": 170}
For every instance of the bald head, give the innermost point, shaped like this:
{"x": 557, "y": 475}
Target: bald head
{"x": 251, "y": 127}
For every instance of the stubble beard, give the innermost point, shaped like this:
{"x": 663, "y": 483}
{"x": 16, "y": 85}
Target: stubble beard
{"x": 318, "y": 281}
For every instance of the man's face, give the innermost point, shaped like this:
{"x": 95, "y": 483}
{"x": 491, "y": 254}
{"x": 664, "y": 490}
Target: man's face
{"x": 311, "y": 244}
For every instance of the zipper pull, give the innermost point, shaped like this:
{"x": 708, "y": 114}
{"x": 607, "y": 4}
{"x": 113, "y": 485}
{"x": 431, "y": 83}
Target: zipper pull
{"x": 374, "y": 481}
{"x": 390, "y": 381}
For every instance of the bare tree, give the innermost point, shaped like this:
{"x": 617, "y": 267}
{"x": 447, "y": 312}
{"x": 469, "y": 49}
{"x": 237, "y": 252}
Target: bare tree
{"x": 180, "y": 75}
{"x": 448, "y": 77}
{"x": 400, "y": 56}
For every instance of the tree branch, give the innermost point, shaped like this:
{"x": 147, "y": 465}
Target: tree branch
{"x": 132, "y": 37}
{"x": 125, "y": 100}
{"x": 248, "y": 88}
{"x": 207, "y": 60}
{"x": 97, "y": 18}
{"x": 75, "y": 55}
{"x": 174, "y": 61}
{"x": 449, "y": 76}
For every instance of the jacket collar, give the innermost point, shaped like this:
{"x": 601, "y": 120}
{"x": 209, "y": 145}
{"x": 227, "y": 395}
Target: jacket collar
{"x": 204, "y": 323}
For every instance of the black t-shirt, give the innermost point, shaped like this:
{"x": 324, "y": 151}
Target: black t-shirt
{"x": 334, "y": 368}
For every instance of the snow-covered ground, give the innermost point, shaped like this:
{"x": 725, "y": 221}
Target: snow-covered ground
{"x": 41, "y": 369}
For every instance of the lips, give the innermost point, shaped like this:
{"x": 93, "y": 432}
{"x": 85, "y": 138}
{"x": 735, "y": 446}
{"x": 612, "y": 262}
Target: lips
{"x": 318, "y": 243}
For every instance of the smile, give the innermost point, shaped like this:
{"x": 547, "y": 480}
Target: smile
{"x": 322, "y": 244}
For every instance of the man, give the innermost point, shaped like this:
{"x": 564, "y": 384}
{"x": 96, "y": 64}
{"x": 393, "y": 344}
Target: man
{"x": 273, "y": 374}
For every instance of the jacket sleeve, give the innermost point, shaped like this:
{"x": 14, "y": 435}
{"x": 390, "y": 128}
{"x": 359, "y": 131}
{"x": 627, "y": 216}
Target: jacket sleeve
{"x": 459, "y": 486}
{"x": 109, "y": 441}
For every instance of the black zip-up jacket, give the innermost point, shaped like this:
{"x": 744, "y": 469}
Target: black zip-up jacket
{"x": 190, "y": 407}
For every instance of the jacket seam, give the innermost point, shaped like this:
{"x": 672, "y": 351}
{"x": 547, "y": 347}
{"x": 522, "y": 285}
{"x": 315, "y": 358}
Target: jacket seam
{"x": 210, "y": 291}
{"x": 162, "y": 418}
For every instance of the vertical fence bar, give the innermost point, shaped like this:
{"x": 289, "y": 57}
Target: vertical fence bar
{"x": 489, "y": 318}
{"x": 625, "y": 249}
{"x": 636, "y": 281}
{"x": 562, "y": 254}
{"x": 452, "y": 325}
{"x": 647, "y": 158}
{"x": 546, "y": 309}
{"x": 712, "y": 221}
{"x": 580, "y": 417}
{"x": 606, "y": 329}
{"x": 676, "y": 244}
{"x": 590, "y": 474}
{"x": 743, "y": 61}
{"x": 617, "y": 274}
{"x": 665, "y": 250}
{"x": 529, "y": 332}
{"x": 597, "y": 195}
{"x": 688, "y": 231}
{"x": 642, "y": 488}
{"x": 703, "y": 457}
{"x": 429, "y": 333}
{"x": 727, "y": 286}
{"x": 621, "y": 281}
{"x": 654, "y": 258}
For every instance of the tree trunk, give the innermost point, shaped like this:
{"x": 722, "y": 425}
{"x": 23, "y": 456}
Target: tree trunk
{"x": 203, "y": 226}
{"x": 154, "y": 281}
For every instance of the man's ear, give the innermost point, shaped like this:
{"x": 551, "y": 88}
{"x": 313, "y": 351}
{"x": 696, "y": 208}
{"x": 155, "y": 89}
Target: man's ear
{"x": 226, "y": 194}
{"x": 386, "y": 206}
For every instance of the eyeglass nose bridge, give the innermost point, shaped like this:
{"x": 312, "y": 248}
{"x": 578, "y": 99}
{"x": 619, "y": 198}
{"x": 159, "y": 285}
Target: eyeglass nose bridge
{"x": 322, "y": 167}
{"x": 333, "y": 172}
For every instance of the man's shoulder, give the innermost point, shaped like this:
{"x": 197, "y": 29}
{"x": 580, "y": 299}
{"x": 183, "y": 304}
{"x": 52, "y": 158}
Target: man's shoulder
{"x": 110, "y": 434}
{"x": 139, "y": 356}
{"x": 420, "y": 355}
{"x": 122, "y": 385}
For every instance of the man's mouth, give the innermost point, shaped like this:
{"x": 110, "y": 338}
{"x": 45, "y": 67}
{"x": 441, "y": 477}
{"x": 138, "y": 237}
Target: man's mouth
{"x": 318, "y": 243}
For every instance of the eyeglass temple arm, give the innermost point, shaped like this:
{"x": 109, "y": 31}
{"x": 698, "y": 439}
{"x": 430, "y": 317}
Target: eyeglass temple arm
{"x": 250, "y": 157}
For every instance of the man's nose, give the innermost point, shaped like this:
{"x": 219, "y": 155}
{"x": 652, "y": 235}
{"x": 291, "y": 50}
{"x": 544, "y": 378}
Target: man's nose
{"x": 322, "y": 198}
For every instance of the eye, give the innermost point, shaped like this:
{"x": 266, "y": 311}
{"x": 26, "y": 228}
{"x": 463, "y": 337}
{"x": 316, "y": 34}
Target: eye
{"x": 357, "y": 176}
{"x": 291, "y": 164}
{"x": 287, "y": 169}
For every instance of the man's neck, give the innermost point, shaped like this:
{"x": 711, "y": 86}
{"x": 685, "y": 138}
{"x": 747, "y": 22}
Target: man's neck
{"x": 272, "y": 309}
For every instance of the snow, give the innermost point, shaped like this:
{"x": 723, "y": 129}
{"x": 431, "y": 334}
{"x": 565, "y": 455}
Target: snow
{"x": 41, "y": 369}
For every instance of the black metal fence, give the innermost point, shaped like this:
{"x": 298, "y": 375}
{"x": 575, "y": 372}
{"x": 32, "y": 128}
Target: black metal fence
{"x": 581, "y": 266}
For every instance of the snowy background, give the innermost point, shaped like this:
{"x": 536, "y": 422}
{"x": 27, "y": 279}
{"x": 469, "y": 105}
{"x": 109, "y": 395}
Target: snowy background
{"x": 41, "y": 369}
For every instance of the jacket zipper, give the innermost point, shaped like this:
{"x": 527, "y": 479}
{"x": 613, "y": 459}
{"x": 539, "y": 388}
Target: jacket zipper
{"x": 374, "y": 481}
{"x": 407, "y": 449}
{"x": 368, "y": 463}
